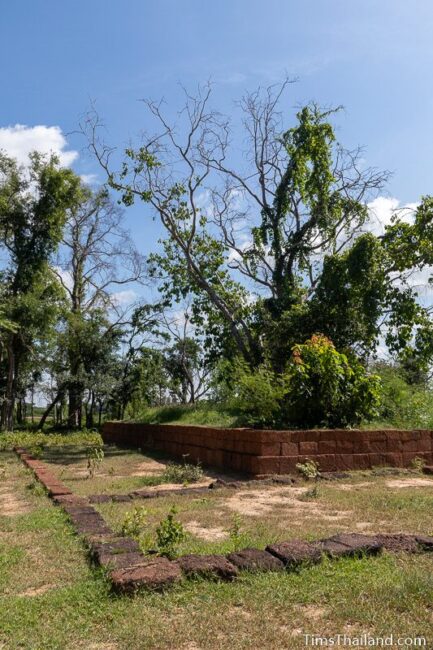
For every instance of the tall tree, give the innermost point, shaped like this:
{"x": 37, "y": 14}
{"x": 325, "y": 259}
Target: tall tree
{"x": 96, "y": 259}
{"x": 33, "y": 205}
{"x": 256, "y": 242}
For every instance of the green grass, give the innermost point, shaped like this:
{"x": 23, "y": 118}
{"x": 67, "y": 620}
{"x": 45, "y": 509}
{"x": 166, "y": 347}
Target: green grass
{"x": 363, "y": 503}
{"x": 217, "y": 415}
{"x": 51, "y": 599}
{"x": 203, "y": 413}
{"x": 120, "y": 471}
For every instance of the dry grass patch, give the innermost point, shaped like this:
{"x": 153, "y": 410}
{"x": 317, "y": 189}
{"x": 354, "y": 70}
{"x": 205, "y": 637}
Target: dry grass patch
{"x": 120, "y": 471}
{"x": 208, "y": 534}
{"x": 223, "y": 519}
{"x": 410, "y": 483}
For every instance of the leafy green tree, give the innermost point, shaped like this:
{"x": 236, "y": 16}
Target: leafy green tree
{"x": 302, "y": 198}
{"x": 405, "y": 404}
{"x": 33, "y": 205}
{"x": 275, "y": 248}
{"x": 145, "y": 383}
{"x": 319, "y": 386}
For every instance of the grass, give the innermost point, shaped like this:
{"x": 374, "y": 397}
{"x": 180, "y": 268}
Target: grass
{"x": 121, "y": 470}
{"x": 218, "y": 415}
{"x": 203, "y": 413}
{"x": 35, "y": 440}
{"x": 266, "y": 515}
{"x": 114, "y": 475}
{"x": 51, "y": 599}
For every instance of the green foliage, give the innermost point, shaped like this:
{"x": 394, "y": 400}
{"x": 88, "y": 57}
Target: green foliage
{"x": 417, "y": 463}
{"x": 182, "y": 473}
{"x": 134, "y": 523}
{"x": 95, "y": 456}
{"x": 327, "y": 387}
{"x": 32, "y": 439}
{"x": 311, "y": 494}
{"x": 309, "y": 469}
{"x": 259, "y": 394}
{"x": 404, "y": 405}
{"x": 237, "y": 534}
{"x": 282, "y": 253}
{"x": 34, "y": 202}
{"x": 350, "y": 294}
{"x": 318, "y": 387}
{"x": 169, "y": 534}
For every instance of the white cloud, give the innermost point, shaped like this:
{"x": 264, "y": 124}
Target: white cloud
{"x": 65, "y": 277}
{"x": 381, "y": 212}
{"x": 123, "y": 298}
{"x": 383, "y": 209}
{"x": 20, "y": 140}
{"x": 89, "y": 179}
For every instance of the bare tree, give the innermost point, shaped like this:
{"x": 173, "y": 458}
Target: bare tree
{"x": 271, "y": 223}
{"x": 96, "y": 258}
{"x": 184, "y": 357}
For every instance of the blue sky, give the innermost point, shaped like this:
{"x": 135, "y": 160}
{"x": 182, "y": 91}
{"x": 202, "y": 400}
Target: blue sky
{"x": 373, "y": 56}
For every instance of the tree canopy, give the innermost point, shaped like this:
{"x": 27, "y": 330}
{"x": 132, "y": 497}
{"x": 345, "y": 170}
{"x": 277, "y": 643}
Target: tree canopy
{"x": 270, "y": 281}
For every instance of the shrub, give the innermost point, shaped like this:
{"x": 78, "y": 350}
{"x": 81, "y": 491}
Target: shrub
{"x": 134, "y": 523}
{"x": 318, "y": 387}
{"x": 259, "y": 394}
{"x": 182, "y": 472}
{"x": 95, "y": 456}
{"x": 237, "y": 533}
{"x": 309, "y": 469}
{"x": 327, "y": 387}
{"x": 417, "y": 464}
{"x": 403, "y": 405}
{"x": 169, "y": 534}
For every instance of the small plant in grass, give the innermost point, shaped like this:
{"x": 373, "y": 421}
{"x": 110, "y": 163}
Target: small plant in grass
{"x": 235, "y": 527}
{"x": 309, "y": 469}
{"x": 417, "y": 464}
{"x": 236, "y": 533}
{"x": 134, "y": 523}
{"x": 182, "y": 472}
{"x": 95, "y": 456}
{"x": 313, "y": 493}
{"x": 36, "y": 488}
{"x": 169, "y": 534}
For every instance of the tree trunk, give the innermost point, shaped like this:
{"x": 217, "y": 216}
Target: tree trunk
{"x": 75, "y": 406}
{"x": 32, "y": 404}
{"x": 50, "y": 407}
{"x": 90, "y": 410}
{"x": 7, "y": 420}
{"x": 20, "y": 411}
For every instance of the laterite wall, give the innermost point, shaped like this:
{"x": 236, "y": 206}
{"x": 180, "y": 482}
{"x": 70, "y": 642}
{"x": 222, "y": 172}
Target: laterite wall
{"x": 261, "y": 452}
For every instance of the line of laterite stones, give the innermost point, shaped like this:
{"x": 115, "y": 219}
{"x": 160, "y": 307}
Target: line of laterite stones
{"x": 130, "y": 570}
